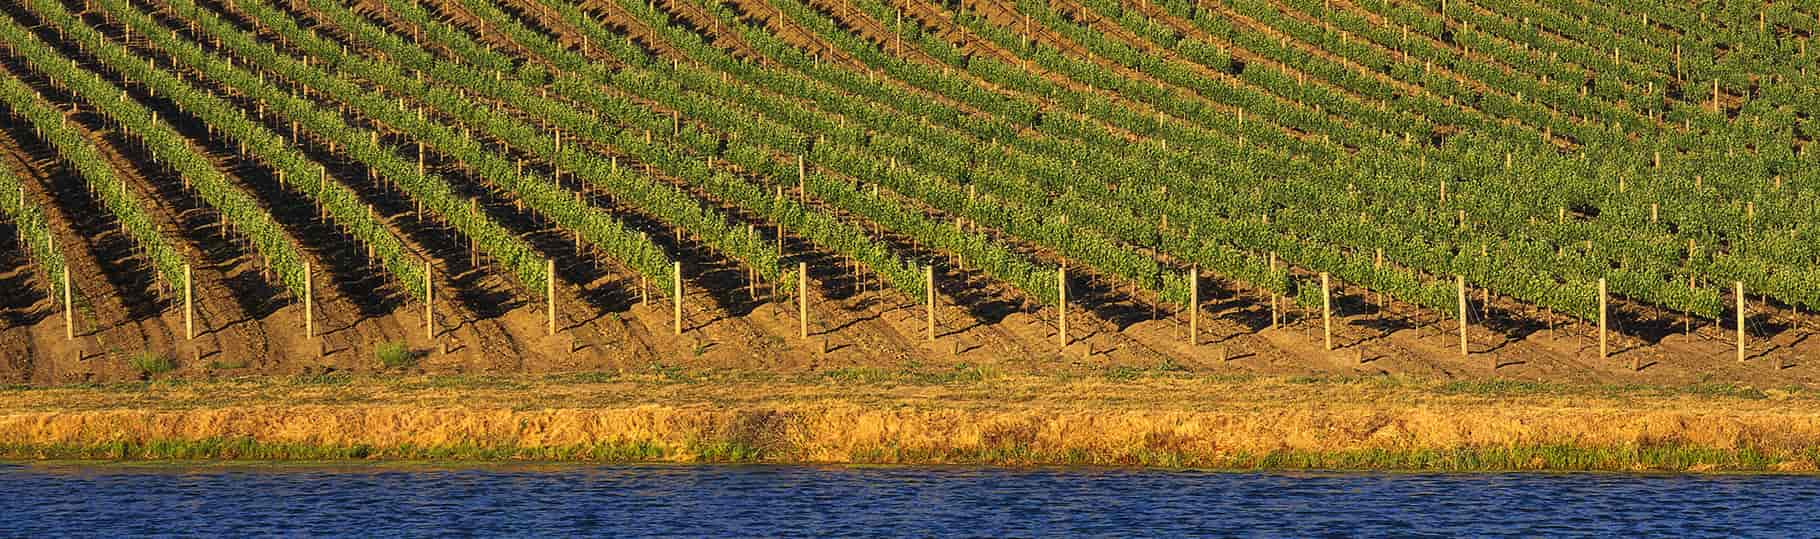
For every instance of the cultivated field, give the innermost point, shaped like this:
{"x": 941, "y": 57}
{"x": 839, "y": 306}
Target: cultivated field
{"x": 1536, "y": 189}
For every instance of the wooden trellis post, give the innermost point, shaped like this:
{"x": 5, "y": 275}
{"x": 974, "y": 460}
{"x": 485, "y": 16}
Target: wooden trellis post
{"x": 1274, "y": 318}
{"x": 322, "y": 185}
{"x": 1739, "y": 288}
{"x": 1326, "y": 312}
{"x": 69, "y": 308}
{"x": 929, "y": 288}
{"x": 644, "y": 283}
{"x": 309, "y": 314}
{"x": 189, "y": 306}
{"x": 677, "y": 292}
{"x": 429, "y": 300}
{"x": 802, "y": 300}
{"x": 1194, "y": 305}
{"x": 1460, "y": 281}
{"x": 751, "y": 273}
{"x": 1376, "y": 265}
{"x": 1603, "y": 349}
{"x": 550, "y": 292}
{"x": 1061, "y": 304}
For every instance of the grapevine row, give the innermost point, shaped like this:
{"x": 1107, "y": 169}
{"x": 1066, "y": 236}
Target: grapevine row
{"x": 166, "y": 145}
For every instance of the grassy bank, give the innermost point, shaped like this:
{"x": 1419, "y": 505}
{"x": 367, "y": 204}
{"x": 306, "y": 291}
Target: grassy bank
{"x": 1665, "y": 458}
{"x": 951, "y": 416}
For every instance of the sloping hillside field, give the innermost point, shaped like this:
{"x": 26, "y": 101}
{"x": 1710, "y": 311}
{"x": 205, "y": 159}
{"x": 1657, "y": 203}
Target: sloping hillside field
{"x": 1584, "y": 191}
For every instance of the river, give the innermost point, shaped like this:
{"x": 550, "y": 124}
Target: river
{"x": 659, "y": 500}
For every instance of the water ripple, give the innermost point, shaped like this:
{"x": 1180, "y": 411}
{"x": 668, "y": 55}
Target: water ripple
{"x": 109, "y": 501}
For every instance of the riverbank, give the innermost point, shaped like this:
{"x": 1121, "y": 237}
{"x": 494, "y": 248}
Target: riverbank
{"x": 956, "y": 416}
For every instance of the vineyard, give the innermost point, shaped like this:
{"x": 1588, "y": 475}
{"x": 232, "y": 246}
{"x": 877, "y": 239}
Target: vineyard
{"x": 1534, "y": 189}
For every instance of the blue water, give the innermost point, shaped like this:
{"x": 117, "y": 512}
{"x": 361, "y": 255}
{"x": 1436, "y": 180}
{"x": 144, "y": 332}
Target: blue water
{"x": 114, "y": 501}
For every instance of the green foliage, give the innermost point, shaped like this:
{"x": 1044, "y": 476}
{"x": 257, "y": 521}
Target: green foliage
{"x": 83, "y": 156}
{"x": 295, "y": 170}
{"x": 915, "y": 374}
{"x": 393, "y": 355}
{"x": 227, "y": 364}
{"x": 166, "y": 146}
{"x": 151, "y": 363}
{"x": 671, "y": 373}
{"x": 1337, "y": 163}
{"x": 322, "y": 379}
{"x": 436, "y": 195}
{"x": 33, "y": 229}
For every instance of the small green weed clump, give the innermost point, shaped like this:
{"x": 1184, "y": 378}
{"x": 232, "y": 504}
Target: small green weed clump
{"x": 227, "y": 364}
{"x": 394, "y": 355}
{"x": 152, "y": 363}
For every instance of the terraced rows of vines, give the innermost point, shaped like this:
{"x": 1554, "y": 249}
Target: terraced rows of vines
{"x": 1532, "y": 189}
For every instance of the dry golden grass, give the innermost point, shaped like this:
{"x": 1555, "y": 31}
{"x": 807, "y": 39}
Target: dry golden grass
{"x": 1147, "y": 420}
